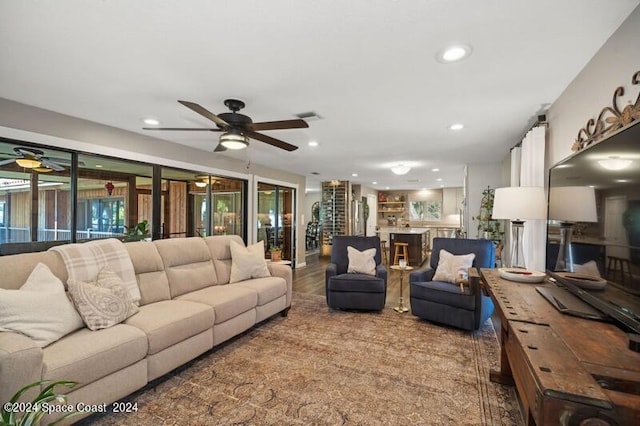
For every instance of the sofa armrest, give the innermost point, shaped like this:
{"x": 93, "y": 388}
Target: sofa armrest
{"x": 283, "y": 271}
{"x": 20, "y": 364}
{"x": 381, "y": 272}
{"x": 421, "y": 275}
{"x": 331, "y": 271}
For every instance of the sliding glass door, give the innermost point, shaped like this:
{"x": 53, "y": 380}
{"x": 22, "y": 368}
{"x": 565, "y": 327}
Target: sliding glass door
{"x": 275, "y": 220}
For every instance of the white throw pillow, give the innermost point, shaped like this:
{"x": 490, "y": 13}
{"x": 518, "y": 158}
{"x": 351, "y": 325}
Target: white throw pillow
{"x": 247, "y": 262}
{"x": 589, "y": 268}
{"x": 449, "y": 265}
{"x": 104, "y": 302}
{"x": 361, "y": 262}
{"x": 40, "y": 309}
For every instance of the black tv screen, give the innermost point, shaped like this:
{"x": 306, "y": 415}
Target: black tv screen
{"x": 610, "y": 243}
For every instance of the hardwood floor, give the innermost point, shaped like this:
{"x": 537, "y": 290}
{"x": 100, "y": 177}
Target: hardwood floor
{"x": 310, "y": 279}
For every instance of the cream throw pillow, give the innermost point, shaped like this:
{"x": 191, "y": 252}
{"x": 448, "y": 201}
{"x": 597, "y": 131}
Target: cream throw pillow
{"x": 103, "y": 303}
{"x": 449, "y": 265}
{"x": 361, "y": 262}
{"x": 248, "y": 262}
{"x": 40, "y": 309}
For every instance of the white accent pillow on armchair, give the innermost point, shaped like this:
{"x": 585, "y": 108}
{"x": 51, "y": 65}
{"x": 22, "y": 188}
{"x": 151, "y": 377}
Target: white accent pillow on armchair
{"x": 361, "y": 262}
{"x": 449, "y": 265}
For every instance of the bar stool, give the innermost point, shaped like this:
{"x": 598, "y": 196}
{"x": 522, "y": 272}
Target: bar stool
{"x": 613, "y": 262}
{"x": 383, "y": 249}
{"x": 405, "y": 252}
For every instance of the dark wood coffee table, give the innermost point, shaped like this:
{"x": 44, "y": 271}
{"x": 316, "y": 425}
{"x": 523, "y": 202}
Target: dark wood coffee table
{"x": 566, "y": 369}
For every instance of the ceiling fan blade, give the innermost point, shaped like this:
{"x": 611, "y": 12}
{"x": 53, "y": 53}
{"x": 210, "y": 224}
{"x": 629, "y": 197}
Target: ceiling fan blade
{"x": 283, "y": 124}
{"x": 205, "y": 113}
{"x": 271, "y": 141}
{"x": 182, "y": 128}
{"x": 220, "y": 148}
{"x": 8, "y": 161}
{"x": 51, "y": 165}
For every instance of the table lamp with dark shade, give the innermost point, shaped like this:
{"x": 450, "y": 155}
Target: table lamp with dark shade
{"x": 570, "y": 204}
{"x": 519, "y": 203}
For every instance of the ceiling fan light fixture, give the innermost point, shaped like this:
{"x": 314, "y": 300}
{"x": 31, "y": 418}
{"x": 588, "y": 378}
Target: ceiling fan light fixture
{"x": 234, "y": 139}
{"x": 28, "y": 163}
{"x": 201, "y": 184}
{"x": 400, "y": 169}
{"x": 42, "y": 169}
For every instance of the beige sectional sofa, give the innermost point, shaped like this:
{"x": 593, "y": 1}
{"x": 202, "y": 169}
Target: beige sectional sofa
{"x": 187, "y": 307}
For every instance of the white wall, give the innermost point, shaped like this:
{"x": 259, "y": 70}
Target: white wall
{"x": 592, "y": 89}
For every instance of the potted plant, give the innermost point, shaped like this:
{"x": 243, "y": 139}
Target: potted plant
{"x": 488, "y": 228}
{"x": 47, "y": 397}
{"x": 138, "y": 232}
{"x": 275, "y": 253}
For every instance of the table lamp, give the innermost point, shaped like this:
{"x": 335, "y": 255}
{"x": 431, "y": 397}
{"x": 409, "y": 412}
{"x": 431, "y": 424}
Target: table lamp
{"x": 518, "y": 203}
{"x": 570, "y": 204}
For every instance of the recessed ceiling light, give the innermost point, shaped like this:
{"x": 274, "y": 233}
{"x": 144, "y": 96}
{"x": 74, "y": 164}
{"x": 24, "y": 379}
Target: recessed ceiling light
{"x": 374, "y": 183}
{"x": 439, "y": 179}
{"x": 453, "y": 53}
{"x": 441, "y": 186}
{"x": 435, "y": 170}
{"x": 151, "y": 121}
{"x": 99, "y": 166}
{"x": 622, "y": 180}
{"x": 354, "y": 174}
{"x": 456, "y": 126}
{"x": 313, "y": 143}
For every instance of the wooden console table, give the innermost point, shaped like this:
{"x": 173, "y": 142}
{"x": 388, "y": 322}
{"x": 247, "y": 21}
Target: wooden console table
{"x": 566, "y": 369}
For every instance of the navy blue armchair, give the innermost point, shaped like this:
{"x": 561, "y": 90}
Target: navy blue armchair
{"x": 355, "y": 291}
{"x": 443, "y": 302}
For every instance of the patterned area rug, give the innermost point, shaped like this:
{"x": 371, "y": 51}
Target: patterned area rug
{"x": 324, "y": 367}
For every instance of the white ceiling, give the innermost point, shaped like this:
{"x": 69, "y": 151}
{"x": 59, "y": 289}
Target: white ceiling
{"x": 366, "y": 66}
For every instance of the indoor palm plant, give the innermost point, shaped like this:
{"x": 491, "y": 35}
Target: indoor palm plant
{"x": 30, "y": 413}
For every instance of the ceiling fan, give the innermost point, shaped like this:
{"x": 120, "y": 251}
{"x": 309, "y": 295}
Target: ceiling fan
{"x": 31, "y": 158}
{"x": 238, "y": 128}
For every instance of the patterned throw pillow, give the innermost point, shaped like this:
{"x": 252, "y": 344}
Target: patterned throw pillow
{"x": 449, "y": 265}
{"x": 103, "y": 303}
{"x": 361, "y": 262}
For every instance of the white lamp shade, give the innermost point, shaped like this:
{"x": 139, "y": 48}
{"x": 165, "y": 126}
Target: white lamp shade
{"x": 573, "y": 204}
{"x": 519, "y": 203}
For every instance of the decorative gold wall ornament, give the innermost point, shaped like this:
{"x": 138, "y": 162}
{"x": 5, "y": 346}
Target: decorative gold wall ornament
{"x": 610, "y": 119}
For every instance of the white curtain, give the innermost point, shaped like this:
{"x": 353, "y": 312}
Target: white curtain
{"x": 532, "y": 174}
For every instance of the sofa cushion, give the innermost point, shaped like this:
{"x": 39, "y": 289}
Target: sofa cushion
{"x": 150, "y": 273}
{"x": 104, "y": 302}
{"x": 220, "y": 249}
{"x": 247, "y": 262}
{"x": 188, "y": 264}
{"x": 268, "y": 288}
{"x": 86, "y": 356}
{"x": 361, "y": 283}
{"x": 40, "y": 309}
{"x": 443, "y": 293}
{"x": 227, "y": 300}
{"x": 171, "y": 321}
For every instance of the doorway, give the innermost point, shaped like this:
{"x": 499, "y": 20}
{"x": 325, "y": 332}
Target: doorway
{"x": 276, "y": 219}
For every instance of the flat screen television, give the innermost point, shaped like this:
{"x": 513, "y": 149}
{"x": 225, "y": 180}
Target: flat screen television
{"x": 611, "y": 242}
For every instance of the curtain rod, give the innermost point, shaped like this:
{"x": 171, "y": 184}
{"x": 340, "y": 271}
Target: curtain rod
{"x": 541, "y": 120}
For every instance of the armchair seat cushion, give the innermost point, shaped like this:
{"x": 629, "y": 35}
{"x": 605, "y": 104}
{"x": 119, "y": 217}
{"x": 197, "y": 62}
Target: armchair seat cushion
{"x": 361, "y": 283}
{"x": 444, "y": 293}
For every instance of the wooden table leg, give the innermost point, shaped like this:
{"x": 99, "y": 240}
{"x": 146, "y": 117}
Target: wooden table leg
{"x": 504, "y": 375}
